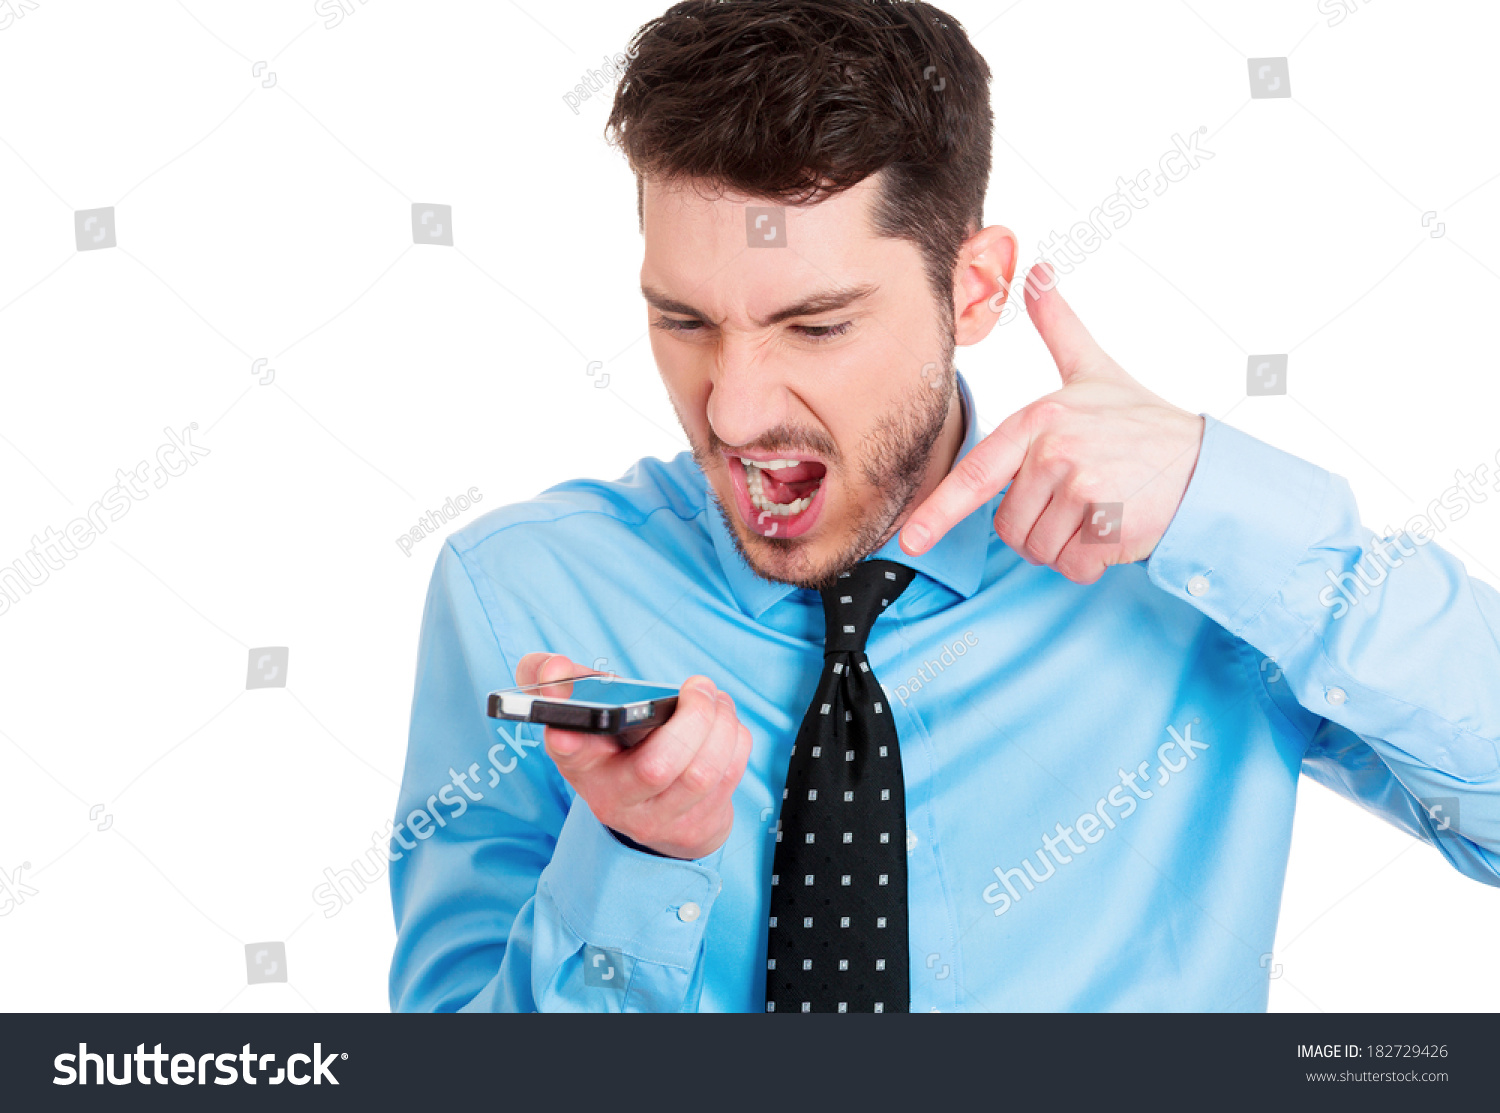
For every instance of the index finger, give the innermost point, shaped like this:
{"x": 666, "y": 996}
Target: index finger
{"x": 983, "y": 473}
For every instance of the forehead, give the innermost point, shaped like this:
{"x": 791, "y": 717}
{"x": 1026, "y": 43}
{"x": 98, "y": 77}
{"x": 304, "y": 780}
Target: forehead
{"x": 701, "y": 237}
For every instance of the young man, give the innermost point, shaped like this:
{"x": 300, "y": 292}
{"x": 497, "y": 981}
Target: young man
{"x": 1045, "y": 764}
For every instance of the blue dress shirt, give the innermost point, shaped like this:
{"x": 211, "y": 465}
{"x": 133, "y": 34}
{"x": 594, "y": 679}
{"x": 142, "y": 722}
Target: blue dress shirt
{"x": 1100, "y": 779}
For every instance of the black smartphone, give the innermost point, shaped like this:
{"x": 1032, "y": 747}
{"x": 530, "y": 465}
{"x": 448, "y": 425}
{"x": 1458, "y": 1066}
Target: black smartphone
{"x": 594, "y": 704}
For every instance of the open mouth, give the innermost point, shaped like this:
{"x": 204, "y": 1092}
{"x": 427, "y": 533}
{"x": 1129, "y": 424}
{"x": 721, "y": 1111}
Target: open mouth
{"x": 778, "y": 497}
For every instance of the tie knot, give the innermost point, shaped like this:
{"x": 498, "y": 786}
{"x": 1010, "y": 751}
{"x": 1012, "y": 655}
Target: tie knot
{"x": 854, "y": 602}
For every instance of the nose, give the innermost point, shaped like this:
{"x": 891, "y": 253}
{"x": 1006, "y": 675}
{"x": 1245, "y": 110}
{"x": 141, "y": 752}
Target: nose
{"x": 748, "y": 395}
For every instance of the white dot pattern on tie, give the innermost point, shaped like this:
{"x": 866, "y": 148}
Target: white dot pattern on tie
{"x": 853, "y": 876}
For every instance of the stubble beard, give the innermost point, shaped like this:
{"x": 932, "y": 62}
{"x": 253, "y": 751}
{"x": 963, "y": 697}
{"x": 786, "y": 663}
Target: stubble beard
{"x": 893, "y": 462}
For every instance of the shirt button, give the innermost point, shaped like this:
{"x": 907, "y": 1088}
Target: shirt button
{"x": 689, "y": 912}
{"x": 1336, "y": 696}
{"x": 1198, "y": 585}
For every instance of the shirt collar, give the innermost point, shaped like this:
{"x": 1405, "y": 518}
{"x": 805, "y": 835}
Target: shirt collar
{"x": 956, "y": 561}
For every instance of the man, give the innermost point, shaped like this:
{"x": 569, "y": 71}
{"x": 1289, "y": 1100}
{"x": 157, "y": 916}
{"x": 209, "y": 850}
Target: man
{"x": 1050, "y": 763}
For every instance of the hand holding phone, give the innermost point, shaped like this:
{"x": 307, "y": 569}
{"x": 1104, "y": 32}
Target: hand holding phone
{"x": 672, "y": 790}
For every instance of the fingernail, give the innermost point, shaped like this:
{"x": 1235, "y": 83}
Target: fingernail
{"x": 915, "y": 537}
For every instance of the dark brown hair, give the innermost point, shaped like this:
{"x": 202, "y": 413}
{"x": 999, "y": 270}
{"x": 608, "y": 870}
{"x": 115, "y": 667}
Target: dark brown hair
{"x": 794, "y": 100}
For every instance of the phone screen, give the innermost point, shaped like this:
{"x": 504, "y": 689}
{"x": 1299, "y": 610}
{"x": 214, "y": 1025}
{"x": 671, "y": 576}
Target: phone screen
{"x": 606, "y": 691}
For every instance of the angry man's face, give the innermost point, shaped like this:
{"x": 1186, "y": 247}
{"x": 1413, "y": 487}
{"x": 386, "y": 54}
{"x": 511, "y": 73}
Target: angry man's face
{"x": 814, "y": 380}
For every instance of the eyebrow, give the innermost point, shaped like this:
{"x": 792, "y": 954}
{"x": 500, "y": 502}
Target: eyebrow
{"x": 824, "y": 302}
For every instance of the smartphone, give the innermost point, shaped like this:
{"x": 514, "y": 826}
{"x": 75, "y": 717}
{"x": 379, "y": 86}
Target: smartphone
{"x": 594, "y": 704}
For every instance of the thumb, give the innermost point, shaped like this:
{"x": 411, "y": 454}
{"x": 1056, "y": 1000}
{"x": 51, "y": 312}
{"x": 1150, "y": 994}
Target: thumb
{"x": 1073, "y": 349}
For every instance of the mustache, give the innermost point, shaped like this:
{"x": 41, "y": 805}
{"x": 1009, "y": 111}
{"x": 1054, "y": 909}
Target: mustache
{"x": 821, "y": 447}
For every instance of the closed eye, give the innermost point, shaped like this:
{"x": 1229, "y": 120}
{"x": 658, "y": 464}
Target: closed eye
{"x": 814, "y": 333}
{"x": 824, "y": 332}
{"x": 672, "y": 324}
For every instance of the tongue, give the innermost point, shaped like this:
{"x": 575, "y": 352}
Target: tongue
{"x": 788, "y": 484}
{"x": 799, "y": 472}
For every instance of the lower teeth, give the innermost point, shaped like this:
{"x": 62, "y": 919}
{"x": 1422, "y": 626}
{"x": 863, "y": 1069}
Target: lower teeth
{"x": 766, "y": 506}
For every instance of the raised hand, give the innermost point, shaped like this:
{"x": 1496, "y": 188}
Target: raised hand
{"x": 1102, "y": 438}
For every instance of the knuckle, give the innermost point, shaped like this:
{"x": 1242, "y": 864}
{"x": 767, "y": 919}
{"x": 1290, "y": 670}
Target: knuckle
{"x": 1047, "y": 411}
{"x": 972, "y": 472}
{"x": 1053, "y": 453}
{"x": 1006, "y": 532}
{"x": 698, "y": 778}
{"x": 1085, "y": 486}
{"x": 1091, "y": 573}
{"x": 1077, "y": 566}
{"x": 654, "y": 771}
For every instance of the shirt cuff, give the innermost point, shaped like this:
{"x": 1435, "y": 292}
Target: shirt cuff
{"x": 650, "y": 907}
{"x": 626, "y": 840}
{"x": 1247, "y": 518}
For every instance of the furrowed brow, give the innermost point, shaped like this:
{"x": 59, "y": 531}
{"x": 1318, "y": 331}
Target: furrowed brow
{"x": 826, "y": 302}
{"x": 659, "y": 300}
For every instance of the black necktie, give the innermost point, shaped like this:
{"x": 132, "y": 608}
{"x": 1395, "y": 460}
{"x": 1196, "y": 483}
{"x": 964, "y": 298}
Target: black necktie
{"x": 837, "y": 940}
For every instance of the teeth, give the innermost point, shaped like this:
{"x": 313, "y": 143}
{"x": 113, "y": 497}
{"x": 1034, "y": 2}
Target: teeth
{"x": 756, "y": 487}
{"x": 770, "y": 465}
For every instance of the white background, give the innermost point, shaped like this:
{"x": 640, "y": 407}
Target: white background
{"x": 274, "y": 223}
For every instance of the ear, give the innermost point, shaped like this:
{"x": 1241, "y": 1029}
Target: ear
{"x": 982, "y": 281}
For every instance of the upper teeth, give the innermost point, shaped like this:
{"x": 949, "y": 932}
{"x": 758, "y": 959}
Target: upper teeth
{"x": 757, "y": 490}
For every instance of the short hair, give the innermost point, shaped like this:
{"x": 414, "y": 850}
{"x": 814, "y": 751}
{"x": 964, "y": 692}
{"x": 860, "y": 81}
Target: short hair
{"x": 795, "y": 100}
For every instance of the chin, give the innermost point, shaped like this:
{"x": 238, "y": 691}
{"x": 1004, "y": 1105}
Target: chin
{"x": 804, "y": 562}
{"x": 796, "y": 560}
{"x": 812, "y": 560}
